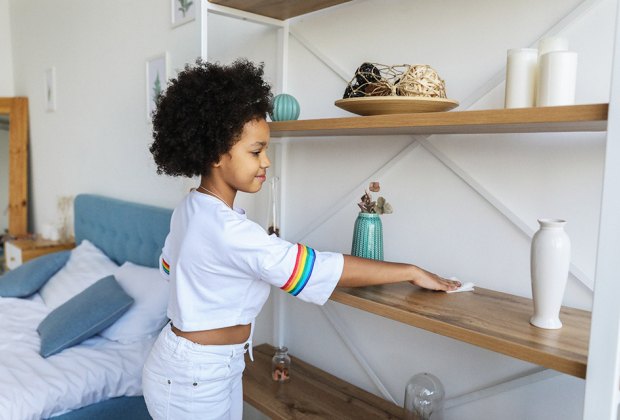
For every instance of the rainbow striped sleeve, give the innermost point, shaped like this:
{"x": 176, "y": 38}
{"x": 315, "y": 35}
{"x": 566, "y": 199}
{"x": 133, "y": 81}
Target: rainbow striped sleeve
{"x": 165, "y": 266}
{"x": 302, "y": 271}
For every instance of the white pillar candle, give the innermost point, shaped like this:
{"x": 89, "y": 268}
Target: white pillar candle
{"x": 552, "y": 43}
{"x": 521, "y": 78}
{"x": 557, "y": 78}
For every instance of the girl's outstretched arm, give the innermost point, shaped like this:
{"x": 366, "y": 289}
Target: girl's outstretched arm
{"x": 359, "y": 272}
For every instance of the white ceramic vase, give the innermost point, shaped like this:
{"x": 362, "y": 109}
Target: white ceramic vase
{"x": 549, "y": 259}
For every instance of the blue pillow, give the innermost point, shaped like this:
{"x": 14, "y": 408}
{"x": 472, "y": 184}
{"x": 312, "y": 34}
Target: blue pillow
{"x": 83, "y": 316}
{"x": 30, "y": 276}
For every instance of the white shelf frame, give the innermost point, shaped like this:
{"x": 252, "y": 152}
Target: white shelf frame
{"x": 602, "y": 377}
{"x": 602, "y": 394}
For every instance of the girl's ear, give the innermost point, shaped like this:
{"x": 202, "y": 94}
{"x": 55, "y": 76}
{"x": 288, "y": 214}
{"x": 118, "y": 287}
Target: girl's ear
{"x": 220, "y": 162}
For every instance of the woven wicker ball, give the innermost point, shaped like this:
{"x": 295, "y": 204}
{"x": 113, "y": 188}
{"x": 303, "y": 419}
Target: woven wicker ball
{"x": 421, "y": 80}
{"x": 380, "y": 88}
{"x": 375, "y": 79}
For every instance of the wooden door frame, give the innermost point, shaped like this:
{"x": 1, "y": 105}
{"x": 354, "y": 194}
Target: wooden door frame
{"x": 17, "y": 109}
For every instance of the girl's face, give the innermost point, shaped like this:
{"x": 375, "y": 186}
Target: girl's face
{"x": 244, "y": 167}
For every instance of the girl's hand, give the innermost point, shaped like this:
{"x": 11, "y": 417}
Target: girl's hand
{"x": 431, "y": 281}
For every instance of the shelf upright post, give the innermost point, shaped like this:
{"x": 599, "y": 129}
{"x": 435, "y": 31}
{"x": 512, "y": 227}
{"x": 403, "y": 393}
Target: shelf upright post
{"x": 602, "y": 377}
{"x": 281, "y": 151}
{"x": 204, "y": 17}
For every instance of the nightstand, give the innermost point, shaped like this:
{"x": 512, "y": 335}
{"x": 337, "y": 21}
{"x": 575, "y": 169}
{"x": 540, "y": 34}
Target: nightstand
{"x": 18, "y": 251}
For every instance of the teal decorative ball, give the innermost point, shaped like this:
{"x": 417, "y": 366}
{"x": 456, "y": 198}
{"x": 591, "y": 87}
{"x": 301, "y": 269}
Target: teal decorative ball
{"x": 285, "y": 108}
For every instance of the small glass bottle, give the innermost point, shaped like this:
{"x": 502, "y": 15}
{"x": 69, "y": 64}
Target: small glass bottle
{"x": 280, "y": 365}
{"x": 424, "y": 398}
{"x": 273, "y": 221}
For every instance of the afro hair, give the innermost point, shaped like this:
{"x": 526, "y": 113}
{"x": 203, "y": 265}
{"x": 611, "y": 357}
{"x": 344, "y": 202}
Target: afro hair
{"x": 201, "y": 114}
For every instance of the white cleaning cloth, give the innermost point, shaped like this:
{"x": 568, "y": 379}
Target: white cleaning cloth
{"x": 465, "y": 287}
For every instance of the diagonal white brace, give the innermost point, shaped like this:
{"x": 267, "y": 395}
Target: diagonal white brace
{"x": 341, "y": 330}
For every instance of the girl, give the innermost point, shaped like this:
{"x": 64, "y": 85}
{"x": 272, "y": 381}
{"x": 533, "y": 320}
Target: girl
{"x": 210, "y": 121}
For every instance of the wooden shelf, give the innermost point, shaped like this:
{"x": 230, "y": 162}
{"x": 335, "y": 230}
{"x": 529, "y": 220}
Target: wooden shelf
{"x": 492, "y": 320}
{"x": 310, "y": 393}
{"x": 572, "y": 118}
{"x": 279, "y": 9}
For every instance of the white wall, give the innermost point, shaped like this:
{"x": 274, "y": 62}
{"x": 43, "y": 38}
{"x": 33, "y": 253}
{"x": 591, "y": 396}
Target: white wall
{"x": 6, "y": 51}
{"x": 98, "y": 138}
{"x": 6, "y": 89}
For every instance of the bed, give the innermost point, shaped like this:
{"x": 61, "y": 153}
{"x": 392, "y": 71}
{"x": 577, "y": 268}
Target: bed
{"x": 99, "y": 378}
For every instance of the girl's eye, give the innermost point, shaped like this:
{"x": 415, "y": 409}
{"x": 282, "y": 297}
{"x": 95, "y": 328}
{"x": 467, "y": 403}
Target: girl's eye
{"x": 256, "y": 153}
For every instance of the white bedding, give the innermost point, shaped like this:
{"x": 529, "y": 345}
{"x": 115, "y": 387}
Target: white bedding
{"x": 32, "y": 387}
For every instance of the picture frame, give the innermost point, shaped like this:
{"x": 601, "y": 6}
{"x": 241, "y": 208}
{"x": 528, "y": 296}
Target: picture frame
{"x": 156, "y": 80}
{"x": 50, "y": 89}
{"x": 182, "y": 11}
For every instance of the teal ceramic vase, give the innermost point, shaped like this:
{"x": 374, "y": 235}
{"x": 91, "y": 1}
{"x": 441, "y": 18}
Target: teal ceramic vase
{"x": 285, "y": 108}
{"x": 368, "y": 236}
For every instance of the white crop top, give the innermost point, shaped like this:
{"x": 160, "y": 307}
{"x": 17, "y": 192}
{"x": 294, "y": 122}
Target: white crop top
{"x": 221, "y": 265}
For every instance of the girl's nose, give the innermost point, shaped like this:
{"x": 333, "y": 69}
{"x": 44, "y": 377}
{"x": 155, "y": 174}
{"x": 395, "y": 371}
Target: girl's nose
{"x": 265, "y": 162}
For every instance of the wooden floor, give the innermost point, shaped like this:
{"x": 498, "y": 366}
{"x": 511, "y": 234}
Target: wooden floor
{"x": 310, "y": 394}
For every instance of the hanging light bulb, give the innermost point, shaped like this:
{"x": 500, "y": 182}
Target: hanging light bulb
{"x": 424, "y": 396}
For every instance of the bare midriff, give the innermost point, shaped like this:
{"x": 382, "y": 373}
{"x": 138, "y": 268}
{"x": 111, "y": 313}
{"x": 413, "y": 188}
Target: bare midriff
{"x": 236, "y": 334}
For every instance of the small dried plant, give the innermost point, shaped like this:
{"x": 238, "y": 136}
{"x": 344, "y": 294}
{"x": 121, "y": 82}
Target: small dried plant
{"x": 367, "y": 205}
{"x": 65, "y": 204}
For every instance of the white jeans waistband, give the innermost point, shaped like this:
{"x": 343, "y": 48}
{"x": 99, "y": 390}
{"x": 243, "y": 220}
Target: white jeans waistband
{"x": 182, "y": 345}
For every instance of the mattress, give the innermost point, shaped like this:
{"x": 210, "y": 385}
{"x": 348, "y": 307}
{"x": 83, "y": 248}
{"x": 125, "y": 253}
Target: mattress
{"x": 32, "y": 387}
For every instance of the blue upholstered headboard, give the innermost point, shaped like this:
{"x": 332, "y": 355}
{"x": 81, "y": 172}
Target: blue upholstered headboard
{"x": 125, "y": 231}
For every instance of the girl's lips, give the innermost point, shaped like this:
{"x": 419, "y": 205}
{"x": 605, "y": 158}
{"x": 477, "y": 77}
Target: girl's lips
{"x": 262, "y": 177}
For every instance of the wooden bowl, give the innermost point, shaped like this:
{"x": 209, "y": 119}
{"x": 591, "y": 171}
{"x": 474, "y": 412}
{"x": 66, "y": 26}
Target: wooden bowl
{"x": 381, "y": 105}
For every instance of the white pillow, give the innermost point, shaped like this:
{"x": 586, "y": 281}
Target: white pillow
{"x": 86, "y": 265}
{"x": 147, "y": 316}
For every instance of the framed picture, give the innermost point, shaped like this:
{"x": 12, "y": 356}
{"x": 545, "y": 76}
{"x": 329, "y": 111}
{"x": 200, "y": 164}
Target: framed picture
{"x": 156, "y": 79}
{"x": 50, "y": 89}
{"x": 183, "y": 11}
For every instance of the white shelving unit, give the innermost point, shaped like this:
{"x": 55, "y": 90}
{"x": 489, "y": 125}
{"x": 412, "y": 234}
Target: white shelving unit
{"x": 594, "y": 354}
{"x": 602, "y": 378}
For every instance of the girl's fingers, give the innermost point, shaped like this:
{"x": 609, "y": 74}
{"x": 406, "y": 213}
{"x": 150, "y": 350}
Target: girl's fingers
{"x": 455, "y": 282}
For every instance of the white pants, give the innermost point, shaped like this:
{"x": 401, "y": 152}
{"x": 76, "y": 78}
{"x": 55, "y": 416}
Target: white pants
{"x": 185, "y": 380}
